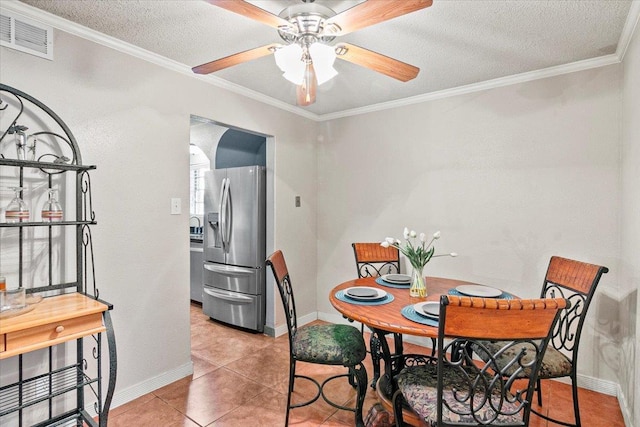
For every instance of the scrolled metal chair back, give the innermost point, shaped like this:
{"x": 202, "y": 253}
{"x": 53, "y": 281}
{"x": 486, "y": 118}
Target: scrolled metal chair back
{"x": 576, "y": 281}
{"x": 486, "y": 392}
{"x": 373, "y": 260}
{"x": 281, "y": 275}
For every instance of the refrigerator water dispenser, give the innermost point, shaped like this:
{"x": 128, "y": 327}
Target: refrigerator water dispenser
{"x": 214, "y": 230}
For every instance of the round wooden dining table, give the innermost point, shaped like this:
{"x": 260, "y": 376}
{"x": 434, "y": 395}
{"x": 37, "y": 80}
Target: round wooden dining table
{"x": 388, "y": 318}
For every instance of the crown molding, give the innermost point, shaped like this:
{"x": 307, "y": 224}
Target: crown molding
{"x": 129, "y": 49}
{"x": 481, "y": 86}
{"x": 630, "y": 26}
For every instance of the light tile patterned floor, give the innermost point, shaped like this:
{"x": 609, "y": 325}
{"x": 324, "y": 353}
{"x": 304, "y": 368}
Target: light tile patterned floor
{"x": 240, "y": 379}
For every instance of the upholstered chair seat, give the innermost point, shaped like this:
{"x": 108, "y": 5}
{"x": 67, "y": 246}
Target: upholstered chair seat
{"x": 419, "y": 387}
{"x": 554, "y": 365}
{"x": 329, "y": 345}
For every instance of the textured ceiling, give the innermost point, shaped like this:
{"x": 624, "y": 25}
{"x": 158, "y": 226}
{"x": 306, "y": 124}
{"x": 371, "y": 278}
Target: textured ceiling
{"x": 453, "y": 42}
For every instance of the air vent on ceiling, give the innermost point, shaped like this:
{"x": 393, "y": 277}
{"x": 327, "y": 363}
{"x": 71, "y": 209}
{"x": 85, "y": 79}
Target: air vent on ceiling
{"x": 26, "y": 35}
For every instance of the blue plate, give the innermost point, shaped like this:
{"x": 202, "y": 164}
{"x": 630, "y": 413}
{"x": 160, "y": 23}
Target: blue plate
{"x": 410, "y": 313}
{"x": 381, "y": 282}
{"x": 505, "y": 295}
{"x": 342, "y": 297}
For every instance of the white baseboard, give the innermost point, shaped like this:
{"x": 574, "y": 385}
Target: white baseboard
{"x": 127, "y": 395}
{"x": 303, "y": 320}
{"x": 627, "y": 415}
{"x": 601, "y": 386}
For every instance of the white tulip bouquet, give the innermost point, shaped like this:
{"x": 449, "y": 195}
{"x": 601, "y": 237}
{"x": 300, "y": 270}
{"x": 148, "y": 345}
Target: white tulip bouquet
{"x": 418, "y": 254}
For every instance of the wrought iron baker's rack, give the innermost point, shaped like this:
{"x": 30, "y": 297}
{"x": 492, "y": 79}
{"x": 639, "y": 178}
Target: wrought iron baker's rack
{"x": 57, "y": 382}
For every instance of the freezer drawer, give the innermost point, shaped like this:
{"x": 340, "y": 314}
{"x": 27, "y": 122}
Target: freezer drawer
{"x": 245, "y": 311}
{"x": 235, "y": 279}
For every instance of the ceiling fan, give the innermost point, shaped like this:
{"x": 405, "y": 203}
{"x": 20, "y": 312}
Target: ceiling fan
{"x": 308, "y": 29}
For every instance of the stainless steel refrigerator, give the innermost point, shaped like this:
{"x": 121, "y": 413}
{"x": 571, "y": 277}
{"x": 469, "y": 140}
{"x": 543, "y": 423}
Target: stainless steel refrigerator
{"x": 235, "y": 246}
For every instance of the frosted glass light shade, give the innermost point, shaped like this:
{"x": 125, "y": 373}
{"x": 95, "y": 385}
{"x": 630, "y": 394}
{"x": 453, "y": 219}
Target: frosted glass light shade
{"x": 323, "y": 57}
{"x": 289, "y": 60}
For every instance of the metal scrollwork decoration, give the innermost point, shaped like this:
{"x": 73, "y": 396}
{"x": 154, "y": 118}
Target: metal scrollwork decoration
{"x": 13, "y": 102}
{"x": 286, "y": 291}
{"x": 563, "y": 335}
{"x": 88, "y": 214}
{"x": 488, "y": 392}
{"x": 385, "y": 268}
{"x": 87, "y": 245}
{"x": 4, "y": 105}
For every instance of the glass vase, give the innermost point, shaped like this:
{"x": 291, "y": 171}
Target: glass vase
{"x": 418, "y": 286}
{"x": 21, "y": 143}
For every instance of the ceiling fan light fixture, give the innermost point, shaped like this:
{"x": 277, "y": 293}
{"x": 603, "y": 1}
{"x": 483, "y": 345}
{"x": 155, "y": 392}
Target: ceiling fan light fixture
{"x": 323, "y": 57}
{"x": 292, "y": 60}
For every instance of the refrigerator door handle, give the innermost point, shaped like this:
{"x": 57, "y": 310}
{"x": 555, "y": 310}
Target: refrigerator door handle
{"x": 227, "y": 213}
{"x": 227, "y": 296}
{"x": 223, "y": 217}
{"x": 229, "y": 270}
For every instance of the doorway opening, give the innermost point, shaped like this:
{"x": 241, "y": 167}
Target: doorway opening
{"x": 217, "y": 146}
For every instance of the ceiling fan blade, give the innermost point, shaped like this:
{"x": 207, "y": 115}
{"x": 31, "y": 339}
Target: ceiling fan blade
{"x": 235, "y": 59}
{"x": 376, "y": 61}
{"x": 372, "y": 12}
{"x": 250, "y": 11}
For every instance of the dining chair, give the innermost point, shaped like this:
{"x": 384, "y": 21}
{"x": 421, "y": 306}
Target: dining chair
{"x": 373, "y": 260}
{"x": 460, "y": 390}
{"x": 321, "y": 344}
{"x": 576, "y": 281}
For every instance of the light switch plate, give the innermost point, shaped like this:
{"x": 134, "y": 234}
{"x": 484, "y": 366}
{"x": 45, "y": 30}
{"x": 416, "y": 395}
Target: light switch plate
{"x": 176, "y": 206}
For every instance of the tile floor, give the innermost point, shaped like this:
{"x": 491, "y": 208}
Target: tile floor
{"x": 240, "y": 379}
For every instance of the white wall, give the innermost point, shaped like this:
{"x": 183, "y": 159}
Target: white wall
{"x": 629, "y": 374}
{"x": 511, "y": 176}
{"x": 131, "y": 119}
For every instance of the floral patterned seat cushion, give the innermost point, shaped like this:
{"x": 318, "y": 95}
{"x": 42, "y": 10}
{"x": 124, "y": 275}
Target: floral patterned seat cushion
{"x": 418, "y": 385}
{"x": 554, "y": 365}
{"x": 329, "y": 345}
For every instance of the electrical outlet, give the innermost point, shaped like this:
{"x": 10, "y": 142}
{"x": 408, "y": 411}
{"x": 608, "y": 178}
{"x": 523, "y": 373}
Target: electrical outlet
{"x": 176, "y": 207}
{"x": 297, "y": 201}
